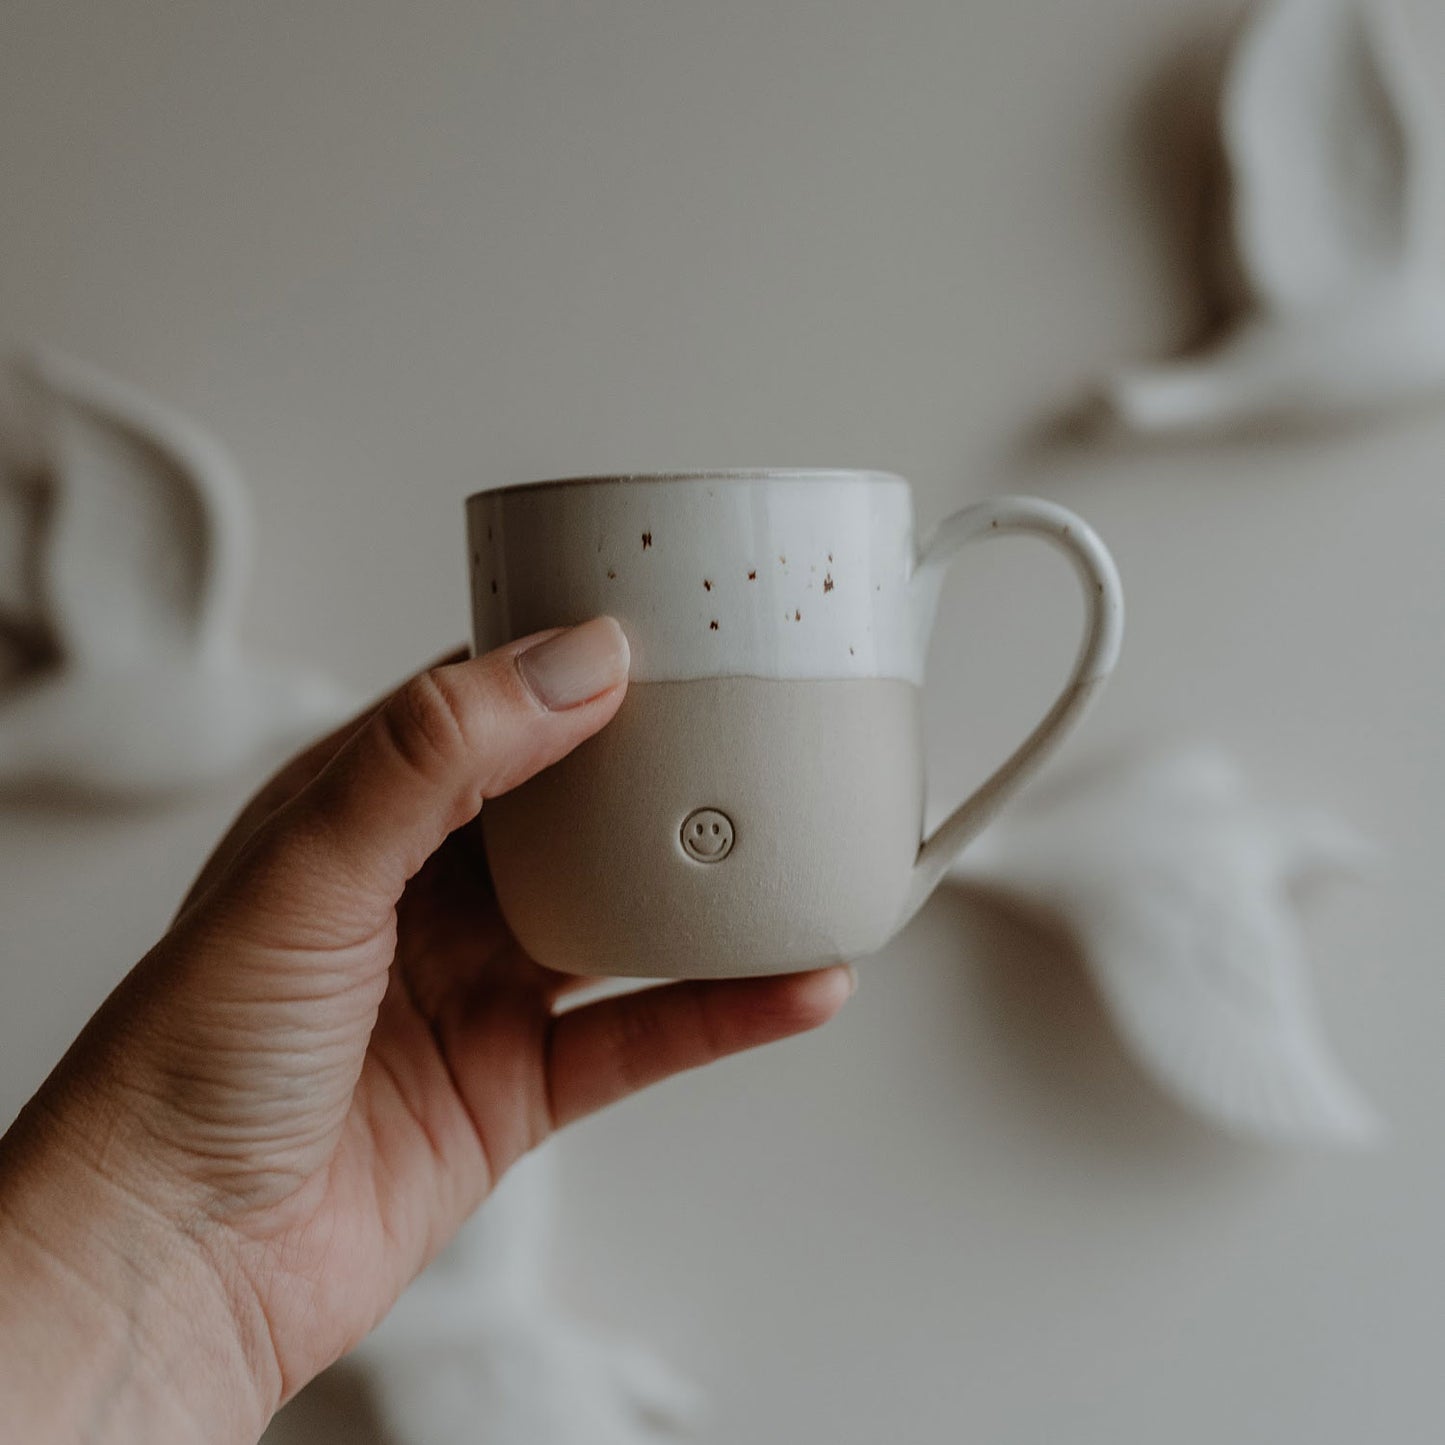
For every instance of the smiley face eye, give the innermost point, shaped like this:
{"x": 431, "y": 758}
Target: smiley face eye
{"x": 716, "y": 829}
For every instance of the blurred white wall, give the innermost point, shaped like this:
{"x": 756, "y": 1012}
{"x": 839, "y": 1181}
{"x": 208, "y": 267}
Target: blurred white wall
{"x": 394, "y": 252}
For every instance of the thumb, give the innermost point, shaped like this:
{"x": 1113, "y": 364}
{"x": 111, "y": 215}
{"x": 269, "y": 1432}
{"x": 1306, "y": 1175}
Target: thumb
{"x": 337, "y": 857}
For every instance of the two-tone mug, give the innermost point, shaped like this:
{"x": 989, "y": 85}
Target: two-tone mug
{"x": 756, "y": 806}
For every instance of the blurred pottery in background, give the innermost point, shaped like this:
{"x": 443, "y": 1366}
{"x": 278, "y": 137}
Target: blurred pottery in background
{"x": 1332, "y": 245}
{"x": 124, "y": 552}
{"x": 475, "y": 1349}
{"x": 1180, "y": 891}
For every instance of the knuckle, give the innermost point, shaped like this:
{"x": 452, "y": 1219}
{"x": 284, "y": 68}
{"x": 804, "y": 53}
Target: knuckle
{"x": 666, "y": 1028}
{"x": 426, "y": 722}
{"x": 636, "y": 1034}
{"x": 709, "y": 1023}
{"x": 654, "y": 1031}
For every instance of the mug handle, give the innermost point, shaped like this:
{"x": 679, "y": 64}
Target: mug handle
{"x": 1098, "y": 653}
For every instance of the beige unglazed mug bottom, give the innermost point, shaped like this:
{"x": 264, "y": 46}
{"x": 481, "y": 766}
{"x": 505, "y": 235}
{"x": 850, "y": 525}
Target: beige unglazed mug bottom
{"x": 719, "y": 827}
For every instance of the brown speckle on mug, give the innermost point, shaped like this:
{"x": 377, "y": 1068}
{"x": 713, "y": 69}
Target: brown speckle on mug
{"x": 611, "y": 575}
{"x": 827, "y": 582}
{"x": 712, "y": 626}
{"x": 706, "y": 585}
{"x": 798, "y": 615}
{"x": 646, "y": 540}
{"x": 753, "y": 575}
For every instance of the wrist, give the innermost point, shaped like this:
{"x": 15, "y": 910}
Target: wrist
{"x": 117, "y": 1324}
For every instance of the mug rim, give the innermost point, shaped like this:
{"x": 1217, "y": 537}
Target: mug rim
{"x": 720, "y": 474}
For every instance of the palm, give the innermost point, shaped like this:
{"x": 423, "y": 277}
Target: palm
{"x": 451, "y": 1091}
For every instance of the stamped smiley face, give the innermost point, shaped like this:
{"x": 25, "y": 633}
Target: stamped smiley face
{"x": 707, "y": 835}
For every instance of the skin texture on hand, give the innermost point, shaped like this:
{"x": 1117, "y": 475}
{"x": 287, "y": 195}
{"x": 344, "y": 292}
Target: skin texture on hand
{"x": 288, "y": 1107}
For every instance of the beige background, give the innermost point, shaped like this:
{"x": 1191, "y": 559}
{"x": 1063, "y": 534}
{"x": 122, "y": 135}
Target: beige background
{"x": 393, "y": 252}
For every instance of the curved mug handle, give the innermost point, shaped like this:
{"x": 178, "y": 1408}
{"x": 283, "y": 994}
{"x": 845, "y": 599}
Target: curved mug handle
{"x": 1103, "y": 632}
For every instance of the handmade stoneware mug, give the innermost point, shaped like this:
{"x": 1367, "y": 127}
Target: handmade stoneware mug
{"x": 756, "y": 806}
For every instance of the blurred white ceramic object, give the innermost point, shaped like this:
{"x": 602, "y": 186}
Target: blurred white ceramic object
{"x": 124, "y": 551}
{"x": 474, "y": 1351}
{"x": 1334, "y": 232}
{"x": 1178, "y": 888}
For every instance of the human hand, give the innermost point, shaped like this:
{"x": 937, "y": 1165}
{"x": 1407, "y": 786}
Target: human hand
{"x": 287, "y": 1108}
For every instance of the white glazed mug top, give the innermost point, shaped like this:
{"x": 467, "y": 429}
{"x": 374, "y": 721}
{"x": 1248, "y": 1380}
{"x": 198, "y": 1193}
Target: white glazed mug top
{"x": 783, "y": 574}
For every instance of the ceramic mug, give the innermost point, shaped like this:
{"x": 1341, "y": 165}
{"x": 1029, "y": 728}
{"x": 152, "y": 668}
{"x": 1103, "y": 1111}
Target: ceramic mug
{"x": 756, "y": 806}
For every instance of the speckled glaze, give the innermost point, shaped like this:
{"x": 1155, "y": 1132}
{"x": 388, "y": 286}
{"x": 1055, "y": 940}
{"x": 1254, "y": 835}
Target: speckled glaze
{"x": 778, "y": 623}
{"x": 741, "y": 574}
